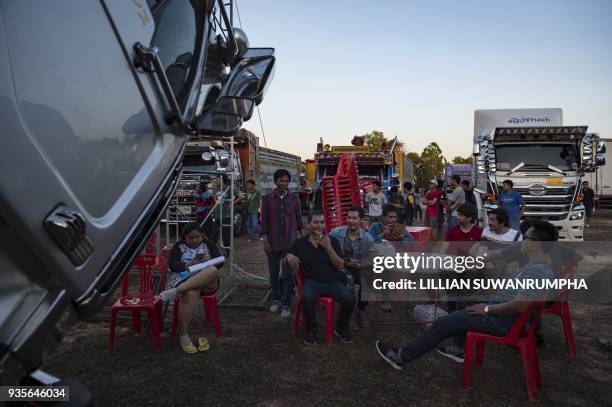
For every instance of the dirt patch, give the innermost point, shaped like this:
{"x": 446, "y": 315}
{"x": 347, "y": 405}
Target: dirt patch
{"x": 259, "y": 362}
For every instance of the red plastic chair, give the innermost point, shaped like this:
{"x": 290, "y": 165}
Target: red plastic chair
{"x": 522, "y": 337}
{"x": 561, "y": 307}
{"x": 326, "y": 301}
{"x": 143, "y": 301}
{"x": 211, "y": 311}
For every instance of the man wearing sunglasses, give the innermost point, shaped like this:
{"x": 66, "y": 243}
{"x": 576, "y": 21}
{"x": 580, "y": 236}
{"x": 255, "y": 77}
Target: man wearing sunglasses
{"x": 494, "y": 317}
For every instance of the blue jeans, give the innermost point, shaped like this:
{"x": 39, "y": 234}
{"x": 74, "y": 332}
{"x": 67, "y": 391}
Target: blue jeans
{"x": 252, "y": 225}
{"x": 514, "y": 222}
{"x": 313, "y": 289}
{"x": 456, "y": 325}
{"x": 282, "y": 288}
{"x": 452, "y": 221}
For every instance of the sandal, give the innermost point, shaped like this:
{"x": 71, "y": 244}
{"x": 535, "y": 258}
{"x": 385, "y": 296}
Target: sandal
{"x": 203, "y": 344}
{"x": 189, "y": 348}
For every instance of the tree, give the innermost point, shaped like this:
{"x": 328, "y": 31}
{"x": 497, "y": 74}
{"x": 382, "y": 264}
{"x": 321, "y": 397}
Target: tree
{"x": 376, "y": 138}
{"x": 462, "y": 160}
{"x": 417, "y": 167}
{"x": 431, "y": 164}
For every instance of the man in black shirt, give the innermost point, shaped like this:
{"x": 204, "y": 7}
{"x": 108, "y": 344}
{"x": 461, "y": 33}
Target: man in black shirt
{"x": 589, "y": 202}
{"x": 319, "y": 257}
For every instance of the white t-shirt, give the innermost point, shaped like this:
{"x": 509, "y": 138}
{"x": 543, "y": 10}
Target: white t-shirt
{"x": 375, "y": 203}
{"x": 509, "y": 236}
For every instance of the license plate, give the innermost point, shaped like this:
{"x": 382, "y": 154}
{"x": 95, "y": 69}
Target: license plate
{"x": 554, "y": 181}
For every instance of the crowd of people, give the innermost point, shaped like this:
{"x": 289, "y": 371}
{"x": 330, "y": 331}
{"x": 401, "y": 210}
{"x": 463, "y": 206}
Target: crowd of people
{"x": 334, "y": 264}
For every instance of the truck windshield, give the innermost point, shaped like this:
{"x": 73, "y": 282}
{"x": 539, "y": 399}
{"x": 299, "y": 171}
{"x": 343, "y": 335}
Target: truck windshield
{"x": 561, "y": 156}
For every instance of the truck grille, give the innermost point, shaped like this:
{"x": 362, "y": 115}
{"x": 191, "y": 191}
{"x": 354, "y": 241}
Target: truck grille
{"x": 547, "y": 203}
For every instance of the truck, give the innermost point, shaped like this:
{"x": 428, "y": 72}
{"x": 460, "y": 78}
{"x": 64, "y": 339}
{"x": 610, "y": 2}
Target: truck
{"x": 93, "y": 147}
{"x": 251, "y": 161}
{"x": 388, "y": 164}
{"x": 545, "y": 160}
{"x": 601, "y": 182}
{"x": 463, "y": 170}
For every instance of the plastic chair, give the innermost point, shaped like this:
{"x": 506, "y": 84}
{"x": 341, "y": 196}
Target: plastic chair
{"x": 522, "y": 337}
{"x": 211, "y": 311}
{"x": 143, "y": 301}
{"x": 561, "y": 307}
{"x": 326, "y": 301}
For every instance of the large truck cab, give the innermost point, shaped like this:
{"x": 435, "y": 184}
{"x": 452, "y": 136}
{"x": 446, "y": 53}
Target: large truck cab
{"x": 546, "y": 164}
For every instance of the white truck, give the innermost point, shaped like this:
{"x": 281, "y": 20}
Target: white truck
{"x": 601, "y": 182}
{"x": 545, "y": 160}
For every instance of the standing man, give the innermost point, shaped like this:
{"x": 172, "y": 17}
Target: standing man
{"x": 456, "y": 198}
{"x": 418, "y": 211}
{"x": 589, "y": 202}
{"x": 432, "y": 201}
{"x": 281, "y": 222}
{"x": 397, "y": 200}
{"x": 513, "y": 203}
{"x": 319, "y": 257}
{"x": 253, "y": 203}
{"x": 375, "y": 200}
{"x": 409, "y": 208}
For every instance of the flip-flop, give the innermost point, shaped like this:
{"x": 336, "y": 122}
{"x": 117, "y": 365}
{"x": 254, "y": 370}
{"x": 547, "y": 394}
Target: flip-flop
{"x": 203, "y": 344}
{"x": 189, "y": 348}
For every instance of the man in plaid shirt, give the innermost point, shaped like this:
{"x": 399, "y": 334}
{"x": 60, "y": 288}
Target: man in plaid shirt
{"x": 281, "y": 219}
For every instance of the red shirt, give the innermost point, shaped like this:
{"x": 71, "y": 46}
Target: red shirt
{"x": 433, "y": 210}
{"x": 455, "y": 234}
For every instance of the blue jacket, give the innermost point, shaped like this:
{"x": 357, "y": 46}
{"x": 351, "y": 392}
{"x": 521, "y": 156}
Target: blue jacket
{"x": 339, "y": 233}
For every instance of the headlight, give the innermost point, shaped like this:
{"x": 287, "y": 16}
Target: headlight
{"x": 577, "y": 216}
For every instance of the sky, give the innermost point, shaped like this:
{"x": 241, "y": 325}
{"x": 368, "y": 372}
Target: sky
{"x": 419, "y": 69}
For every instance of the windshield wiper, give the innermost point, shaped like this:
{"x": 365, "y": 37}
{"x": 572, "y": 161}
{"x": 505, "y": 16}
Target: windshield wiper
{"x": 550, "y": 167}
{"x": 518, "y": 167}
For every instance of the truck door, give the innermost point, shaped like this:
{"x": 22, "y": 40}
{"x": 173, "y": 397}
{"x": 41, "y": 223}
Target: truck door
{"x": 90, "y": 148}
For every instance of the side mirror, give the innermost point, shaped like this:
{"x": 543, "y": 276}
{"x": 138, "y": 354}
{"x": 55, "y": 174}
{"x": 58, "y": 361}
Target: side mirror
{"x": 219, "y": 124}
{"x": 242, "y": 107}
{"x": 601, "y": 147}
{"x": 476, "y": 149}
{"x": 250, "y": 78}
{"x": 600, "y": 160}
{"x": 255, "y": 53}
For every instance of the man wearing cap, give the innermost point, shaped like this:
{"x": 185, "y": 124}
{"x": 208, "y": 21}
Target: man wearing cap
{"x": 432, "y": 201}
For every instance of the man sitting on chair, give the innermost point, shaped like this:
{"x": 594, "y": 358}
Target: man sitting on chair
{"x": 319, "y": 257}
{"x": 494, "y": 318}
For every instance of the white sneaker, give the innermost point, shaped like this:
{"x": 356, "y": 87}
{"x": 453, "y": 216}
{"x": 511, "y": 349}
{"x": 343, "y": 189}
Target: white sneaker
{"x": 249, "y": 240}
{"x": 274, "y": 307}
{"x": 261, "y": 239}
{"x": 285, "y": 312}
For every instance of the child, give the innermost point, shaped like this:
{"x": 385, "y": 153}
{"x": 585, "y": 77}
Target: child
{"x": 194, "y": 248}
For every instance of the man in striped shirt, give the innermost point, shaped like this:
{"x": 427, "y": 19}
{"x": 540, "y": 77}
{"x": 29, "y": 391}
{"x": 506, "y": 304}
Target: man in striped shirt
{"x": 281, "y": 219}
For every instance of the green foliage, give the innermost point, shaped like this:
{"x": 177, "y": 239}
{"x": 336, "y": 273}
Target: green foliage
{"x": 462, "y": 160}
{"x": 376, "y": 138}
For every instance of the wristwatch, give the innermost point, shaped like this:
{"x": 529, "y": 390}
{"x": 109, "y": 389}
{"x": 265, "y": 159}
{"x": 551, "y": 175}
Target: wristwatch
{"x": 486, "y": 309}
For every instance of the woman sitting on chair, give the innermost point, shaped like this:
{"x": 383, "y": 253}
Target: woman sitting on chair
{"x": 192, "y": 249}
